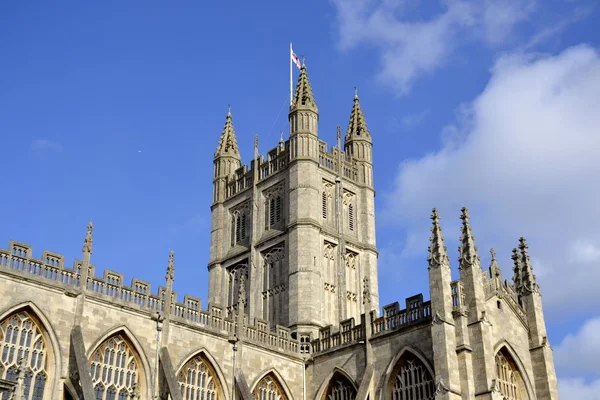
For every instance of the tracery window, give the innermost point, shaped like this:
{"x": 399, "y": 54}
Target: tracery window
{"x": 274, "y": 292}
{"x": 411, "y": 380}
{"x": 198, "y": 380}
{"x": 273, "y": 207}
{"x": 340, "y": 388}
{"x": 238, "y": 226}
{"x": 22, "y": 338}
{"x": 114, "y": 369}
{"x": 510, "y": 382}
{"x": 269, "y": 389}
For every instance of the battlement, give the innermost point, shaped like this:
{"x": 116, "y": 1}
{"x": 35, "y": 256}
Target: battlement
{"x": 277, "y": 160}
{"x": 394, "y": 319}
{"x": 50, "y": 271}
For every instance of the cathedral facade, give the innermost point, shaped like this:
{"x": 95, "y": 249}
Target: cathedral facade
{"x": 293, "y": 308}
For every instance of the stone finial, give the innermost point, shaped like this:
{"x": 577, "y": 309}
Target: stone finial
{"x": 528, "y": 280}
{"x": 88, "y": 241}
{"x": 438, "y": 252}
{"x": 467, "y": 250}
{"x": 171, "y": 267}
{"x": 517, "y": 274}
{"x": 228, "y": 143}
{"x": 357, "y": 127}
{"x": 494, "y": 267}
{"x": 303, "y": 96}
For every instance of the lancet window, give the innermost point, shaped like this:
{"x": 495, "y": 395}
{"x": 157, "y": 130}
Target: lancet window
{"x": 273, "y": 207}
{"x": 411, "y": 380}
{"x": 327, "y": 200}
{"x": 235, "y": 272}
{"x": 23, "y": 345}
{"x": 198, "y": 380}
{"x": 268, "y": 388}
{"x": 115, "y": 369}
{"x": 330, "y": 282}
{"x": 510, "y": 382}
{"x": 340, "y": 388}
{"x": 349, "y": 210}
{"x": 274, "y": 286}
{"x": 239, "y": 224}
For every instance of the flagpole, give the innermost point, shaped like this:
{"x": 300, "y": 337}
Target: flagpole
{"x": 291, "y": 73}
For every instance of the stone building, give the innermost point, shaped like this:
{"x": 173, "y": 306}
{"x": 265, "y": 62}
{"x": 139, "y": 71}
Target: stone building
{"x": 293, "y": 307}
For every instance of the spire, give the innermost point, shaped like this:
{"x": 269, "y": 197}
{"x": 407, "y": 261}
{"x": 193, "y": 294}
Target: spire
{"x": 467, "y": 250}
{"x": 303, "y": 96}
{"x": 438, "y": 252}
{"x": 517, "y": 275}
{"x": 357, "y": 127}
{"x": 529, "y": 284}
{"x": 88, "y": 242}
{"x": 171, "y": 267}
{"x": 228, "y": 143}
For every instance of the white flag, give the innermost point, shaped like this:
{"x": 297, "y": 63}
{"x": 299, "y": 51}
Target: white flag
{"x": 295, "y": 58}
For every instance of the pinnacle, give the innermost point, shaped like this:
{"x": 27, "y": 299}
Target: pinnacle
{"x": 357, "y": 126}
{"x": 438, "y": 253}
{"x": 88, "y": 241}
{"x": 494, "y": 267}
{"x": 527, "y": 276}
{"x": 228, "y": 143}
{"x": 467, "y": 250}
{"x": 517, "y": 270}
{"x": 171, "y": 267}
{"x": 303, "y": 96}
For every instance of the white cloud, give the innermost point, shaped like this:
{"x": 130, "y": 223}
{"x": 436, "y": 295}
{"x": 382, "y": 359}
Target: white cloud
{"x": 524, "y": 158}
{"x": 578, "y": 389}
{"x": 410, "y": 47}
{"x": 44, "y": 145}
{"x": 579, "y": 353}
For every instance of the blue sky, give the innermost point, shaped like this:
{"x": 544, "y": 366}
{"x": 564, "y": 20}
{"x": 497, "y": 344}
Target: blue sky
{"x": 111, "y": 111}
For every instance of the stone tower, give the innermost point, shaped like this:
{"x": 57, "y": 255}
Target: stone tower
{"x": 298, "y": 224}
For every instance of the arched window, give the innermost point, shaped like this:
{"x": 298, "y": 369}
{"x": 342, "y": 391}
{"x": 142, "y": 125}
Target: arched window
{"x": 198, "y": 380}
{"x": 238, "y": 227}
{"x": 273, "y": 210}
{"x": 510, "y": 381}
{"x": 21, "y": 339}
{"x": 339, "y": 388}
{"x": 268, "y": 388}
{"x": 410, "y": 379}
{"x": 115, "y": 369}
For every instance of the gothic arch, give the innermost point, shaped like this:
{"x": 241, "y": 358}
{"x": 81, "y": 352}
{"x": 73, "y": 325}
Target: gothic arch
{"x": 203, "y": 352}
{"x": 385, "y": 385}
{"x": 325, "y": 384}
{"x": 138, "y": 351}
{"x": 273, "y": 372}
{"x": 504, "y": 345}
{"x": 55, "y": 367}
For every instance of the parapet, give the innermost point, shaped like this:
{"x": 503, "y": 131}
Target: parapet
{"x": 278, "y": 159}
{"x": 50, "y": 271}
{"x": 394, "y": 319}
